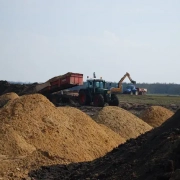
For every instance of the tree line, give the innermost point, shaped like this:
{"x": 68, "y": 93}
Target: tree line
{"x": 153, "y": 88}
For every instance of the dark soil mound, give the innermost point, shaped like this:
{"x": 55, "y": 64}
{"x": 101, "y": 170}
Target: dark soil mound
{"x": 154, "y": 155}
{"x": 3, "y": 86}
{"x": 6, "y": 87}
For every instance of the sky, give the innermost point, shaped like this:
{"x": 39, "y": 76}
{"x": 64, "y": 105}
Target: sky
{"x": 40, "y": 39}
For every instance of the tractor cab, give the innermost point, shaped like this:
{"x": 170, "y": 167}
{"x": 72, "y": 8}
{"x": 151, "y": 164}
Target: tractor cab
{"x": 96, "y": 84}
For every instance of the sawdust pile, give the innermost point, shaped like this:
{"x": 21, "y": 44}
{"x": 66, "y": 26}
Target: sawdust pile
{"x": 110, "y": 133}
{"x": 7, "y": 97}
{"x": 122, "y": 122}
{"x": 152, "y": 156}
{"x": 156, "y": 115}
{"x": 33, "y": 131}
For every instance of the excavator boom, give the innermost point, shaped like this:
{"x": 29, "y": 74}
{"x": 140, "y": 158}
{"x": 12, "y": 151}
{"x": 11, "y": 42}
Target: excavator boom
{"x": 130, "y": 90}
{"x": 122, "y": 79}
{"x": 132, "y": 81}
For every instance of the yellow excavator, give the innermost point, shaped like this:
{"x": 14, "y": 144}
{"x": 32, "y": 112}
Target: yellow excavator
{"x": 119, "y": 89}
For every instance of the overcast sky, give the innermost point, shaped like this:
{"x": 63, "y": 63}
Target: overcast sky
{"x": 40, "y": 39}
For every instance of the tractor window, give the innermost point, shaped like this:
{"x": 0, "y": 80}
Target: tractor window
{"x": 90, "y": 84}
{"x": 99, "y": 84}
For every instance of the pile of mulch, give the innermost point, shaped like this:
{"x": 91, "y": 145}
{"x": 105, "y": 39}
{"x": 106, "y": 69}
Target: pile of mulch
{"x": 156, "y": 115}
{"x": 122, "y": 122}
{"x": 154, "y": 155}
{"x": 33, "y": 132}
{"x": 5, "y": 98}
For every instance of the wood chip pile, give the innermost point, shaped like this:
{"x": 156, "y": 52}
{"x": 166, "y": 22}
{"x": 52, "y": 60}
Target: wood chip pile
{"x": 156, "y": 115}
{"x": 122, "y": 122}
{"x": 33, "y": 132}
{"x": 5, "y": 98}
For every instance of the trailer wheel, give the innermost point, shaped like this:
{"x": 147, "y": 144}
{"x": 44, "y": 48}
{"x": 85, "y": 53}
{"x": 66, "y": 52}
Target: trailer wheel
{"x": 114, "y": 100}
{"x": 98, "y": 100}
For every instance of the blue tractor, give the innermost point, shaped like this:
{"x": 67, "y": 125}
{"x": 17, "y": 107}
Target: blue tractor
{"x": 131, "y": 89}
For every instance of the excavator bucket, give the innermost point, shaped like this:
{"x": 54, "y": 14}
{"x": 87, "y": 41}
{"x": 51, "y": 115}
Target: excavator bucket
{"x": 133, "y": 82}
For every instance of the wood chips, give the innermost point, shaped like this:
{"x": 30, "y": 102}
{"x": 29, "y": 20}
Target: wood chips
{"x": 156, "y": 115}
{"x": 33, "y": 132}
{"x": 122, "y": 122}
{"x": 7, "y": 97}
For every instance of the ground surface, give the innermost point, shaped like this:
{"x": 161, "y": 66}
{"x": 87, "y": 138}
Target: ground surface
{"x": 152, "y": 156}
{"x": 136, "y": 104}
{"x": 159, "y": 148}
{"x": 150, "y": 99}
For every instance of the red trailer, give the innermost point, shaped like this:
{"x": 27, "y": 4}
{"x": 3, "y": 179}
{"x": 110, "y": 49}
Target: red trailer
{"x": 141, "y": 91}
{"x": 59, "y": 83}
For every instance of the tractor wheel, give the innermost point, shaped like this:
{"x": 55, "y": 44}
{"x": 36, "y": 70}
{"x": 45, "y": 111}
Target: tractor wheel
{"x": 98, "y": 100}
{"x": 114, "y": 100}
{"x": 88, "y": 100}
{"x": 82, "y": 98}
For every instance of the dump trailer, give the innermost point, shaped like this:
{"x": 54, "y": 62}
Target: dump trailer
{"x": 53, "y": 88}
{"x": 60, "y": 83}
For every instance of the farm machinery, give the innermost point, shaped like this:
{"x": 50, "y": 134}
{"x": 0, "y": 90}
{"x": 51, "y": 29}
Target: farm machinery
{"x": 94, "y": 94}
{"x": 130, "y": 89}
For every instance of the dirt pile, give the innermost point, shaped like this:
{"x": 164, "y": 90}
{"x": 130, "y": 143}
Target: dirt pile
{"x": 122, "y": 122}
{"x": 113, "y": 134}
{"x": 3, "y": 86}
{"x": 7, "y": 87}
{"x": 156, "y": 115}
{"x": 7, "y": 97}
{"x": 33, "y": 131}
{"x": 154, "y": 155}
{"x": 80, "y": 118}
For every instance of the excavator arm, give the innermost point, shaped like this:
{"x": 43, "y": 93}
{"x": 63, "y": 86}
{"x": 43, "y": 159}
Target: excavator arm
{"x": 119, "y": 89}
{"x": 132, "y": 81}
{"x": 122, "y": 79}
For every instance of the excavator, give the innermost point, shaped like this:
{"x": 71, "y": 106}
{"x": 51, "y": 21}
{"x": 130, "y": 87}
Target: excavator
{"x": 119, "y": 89}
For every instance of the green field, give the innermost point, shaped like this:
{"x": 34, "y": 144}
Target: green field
{"x": 150, "y": 99}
